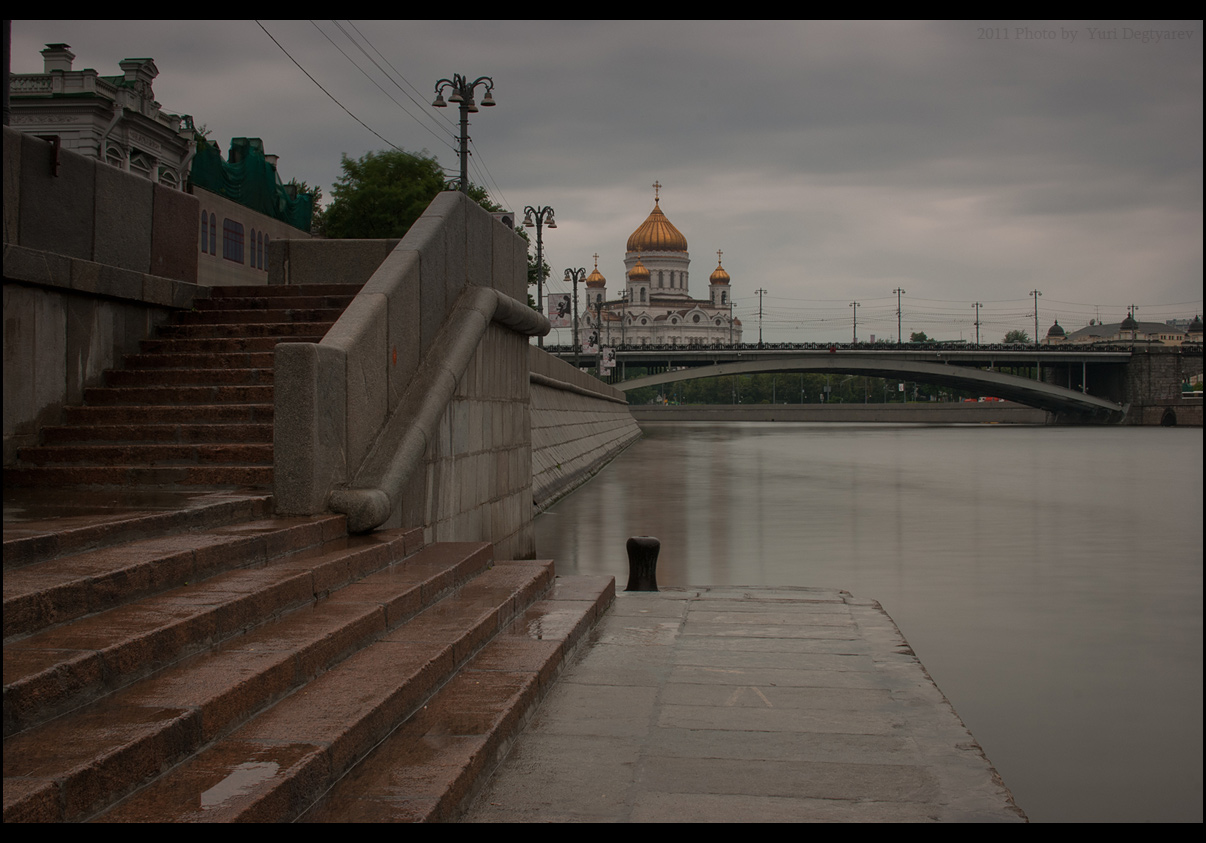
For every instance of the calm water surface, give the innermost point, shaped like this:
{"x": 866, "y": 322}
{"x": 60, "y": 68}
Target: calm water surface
{"x": 1050, "y": 579}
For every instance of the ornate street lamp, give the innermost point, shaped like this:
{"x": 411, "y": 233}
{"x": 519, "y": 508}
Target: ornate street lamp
{"x": 541, "y": 215}
{"x": 462, "y": 94}
{"x": 574, "y": 276}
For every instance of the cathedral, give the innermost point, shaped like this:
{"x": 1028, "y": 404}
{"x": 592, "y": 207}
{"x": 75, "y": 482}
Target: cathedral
{"x": 655, "y": 306}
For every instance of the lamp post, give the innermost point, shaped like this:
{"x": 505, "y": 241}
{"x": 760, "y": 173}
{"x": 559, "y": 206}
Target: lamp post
{"x": 574, "y": 276}
{"x": 541, "y": 215}
{"x": 977, "y": 306}
{"x": 462, "y": 95}
{"x": 898, "y": 292}
{"x": 856, "y": 306}
{"x": 1036, "y": 295}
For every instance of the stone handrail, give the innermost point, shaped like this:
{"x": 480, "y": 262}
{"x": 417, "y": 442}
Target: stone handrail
{"x": 353, "y": 413}
{"x": 398, "y": 451}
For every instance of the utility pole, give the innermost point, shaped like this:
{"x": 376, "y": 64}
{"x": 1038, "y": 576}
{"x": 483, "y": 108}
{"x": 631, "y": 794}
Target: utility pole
{"x": 760, "y": 293}
{"x": 899, "y": 292}
{"x": 977, "y": 306}
{"x": 855, "y": 305}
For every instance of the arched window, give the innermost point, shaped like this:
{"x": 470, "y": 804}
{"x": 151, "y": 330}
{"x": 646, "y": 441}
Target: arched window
{"x": 642, "y": 294}
{"x": 259, "y": 250}
{"x": 232, "y": 240}
{"x": 724, "y": 297}
{"x": 264, "y": 265}
{"x": 204, "y": 232}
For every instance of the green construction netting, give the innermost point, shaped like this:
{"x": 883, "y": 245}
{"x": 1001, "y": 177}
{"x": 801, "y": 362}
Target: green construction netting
{"x": 250, "y": 179}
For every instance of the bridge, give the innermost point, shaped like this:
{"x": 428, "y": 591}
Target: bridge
{"x": 1088, "y": 383}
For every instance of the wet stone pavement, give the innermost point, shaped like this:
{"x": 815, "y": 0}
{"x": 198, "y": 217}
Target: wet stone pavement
{"x": 737, "y": 705}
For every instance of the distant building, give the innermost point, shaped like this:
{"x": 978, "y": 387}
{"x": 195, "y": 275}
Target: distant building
{"x": 655, "y": 307}
{"x": 1129, "y": 329}
{"x": 116, "y": 119}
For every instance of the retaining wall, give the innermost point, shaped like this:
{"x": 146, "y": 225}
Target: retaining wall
{"x": 579, "y": 424}
{"x": 94, "y": 260}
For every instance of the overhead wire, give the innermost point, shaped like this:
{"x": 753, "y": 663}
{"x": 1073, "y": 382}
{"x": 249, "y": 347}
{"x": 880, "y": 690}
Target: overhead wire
{"x": 324, "y": 90}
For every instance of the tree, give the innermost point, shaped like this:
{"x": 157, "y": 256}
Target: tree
{"x": 1017, "y": 337}
{"x": 918, "y": 336}
{"x": 382, "y": 194}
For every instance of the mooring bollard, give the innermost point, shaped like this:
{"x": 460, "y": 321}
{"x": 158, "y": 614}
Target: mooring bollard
{"x": 642, "y": 563}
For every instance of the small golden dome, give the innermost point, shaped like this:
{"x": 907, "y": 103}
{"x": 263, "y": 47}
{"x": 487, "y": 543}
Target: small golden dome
{"x": 657, "y": 234}
{"x": 638, "y": 272}
{"x": 718, "y": 276}
{"x": 596, "y": 279}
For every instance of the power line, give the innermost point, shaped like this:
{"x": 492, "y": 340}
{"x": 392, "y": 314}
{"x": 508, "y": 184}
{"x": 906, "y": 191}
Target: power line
{"x": 371, "y": 79}
{"x": 325, "y": 91}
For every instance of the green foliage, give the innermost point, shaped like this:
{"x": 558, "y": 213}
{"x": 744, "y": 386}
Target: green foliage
{"x": 381, "y": 195}
{"x": 918, "y": 336}
{"x": 1017, "y": 336}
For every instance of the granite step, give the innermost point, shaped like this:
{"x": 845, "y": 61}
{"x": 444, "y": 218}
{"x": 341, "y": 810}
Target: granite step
{"x": 156, "y": 433}
{"x": 224, "y": 330}
{"x": 199, "y": 590}
{"x": 190, "y": 376}
{"x": 168, "y": 478}
{"x": 278, "y": 764}
{"x": 247, "y": 313}
{"x": 85, "y": 761}
{"x": 431, "y": 767}
{"x": 228, "y": 360}
{"x": 48, "y": 525}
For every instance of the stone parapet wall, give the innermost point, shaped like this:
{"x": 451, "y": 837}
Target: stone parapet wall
{"x": 579, "y": 424}
{"x": 94, "y": 260}
{"x": 414, "y": 409}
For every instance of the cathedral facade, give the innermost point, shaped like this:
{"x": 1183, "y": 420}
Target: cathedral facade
{"x": 655, "y": 306}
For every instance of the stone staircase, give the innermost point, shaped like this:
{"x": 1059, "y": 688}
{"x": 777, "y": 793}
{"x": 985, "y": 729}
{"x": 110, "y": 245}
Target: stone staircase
{"x": 214, "y": 663}
{"x": 194, "y": 409}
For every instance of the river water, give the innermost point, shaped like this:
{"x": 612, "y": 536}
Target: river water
{"x": 1049, "y": 578}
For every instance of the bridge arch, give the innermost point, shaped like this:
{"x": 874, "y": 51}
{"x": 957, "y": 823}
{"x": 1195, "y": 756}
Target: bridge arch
{"x": 1033, "y": 393}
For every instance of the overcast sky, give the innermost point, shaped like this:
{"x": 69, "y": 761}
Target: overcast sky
{"x": 832, "y": 162}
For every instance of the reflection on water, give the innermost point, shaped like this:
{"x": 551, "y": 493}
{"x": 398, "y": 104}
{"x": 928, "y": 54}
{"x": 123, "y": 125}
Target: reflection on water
{"x": 1050, "y": 579}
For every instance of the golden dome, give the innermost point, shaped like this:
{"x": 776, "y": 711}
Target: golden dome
{"x": 596, "y": 279}
{"x": 638, "y": 272}
{"x": 718, "y": 276}
{"x": 657, "y": 234}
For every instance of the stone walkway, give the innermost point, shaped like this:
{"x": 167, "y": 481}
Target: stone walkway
{"x": 739, "y": 705}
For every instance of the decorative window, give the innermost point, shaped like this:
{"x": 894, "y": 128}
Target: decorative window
{"x": 695, "y": 318}
{"x": 259, "y": 250}
{"x": 724, "y": 297}
{"x": 204, "y": 232}
{"x": 232, "y": 240}
{"x": 251, "y": 248}
{"x": 213, "y": 234}
{"x": 642, "y": 294}
{"x": 263, "y": 265}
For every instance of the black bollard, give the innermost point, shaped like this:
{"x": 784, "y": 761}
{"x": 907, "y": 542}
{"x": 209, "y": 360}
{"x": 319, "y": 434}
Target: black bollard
{"x": 642, "y": 563}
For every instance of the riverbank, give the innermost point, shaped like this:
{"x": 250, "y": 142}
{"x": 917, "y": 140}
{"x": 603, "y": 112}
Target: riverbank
{"x": 746, "y": 705}
{"x": 988, "y": 412}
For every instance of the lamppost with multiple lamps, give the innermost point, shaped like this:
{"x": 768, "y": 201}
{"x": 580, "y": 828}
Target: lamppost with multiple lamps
{"x": 462, "y": 94}
{"x": 574, "y": 276}
{"x": 537, "y": 217}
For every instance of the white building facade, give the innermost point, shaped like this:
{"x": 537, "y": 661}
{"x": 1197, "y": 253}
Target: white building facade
{"x": 655, "y": 307}
{"x": 114, "y": 119}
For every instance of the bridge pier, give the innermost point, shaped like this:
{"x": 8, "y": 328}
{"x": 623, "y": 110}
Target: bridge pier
{"x": 1150, "y": 384}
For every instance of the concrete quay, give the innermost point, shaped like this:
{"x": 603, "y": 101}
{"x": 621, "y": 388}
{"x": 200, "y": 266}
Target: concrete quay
{"x": 738, "y": 705}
